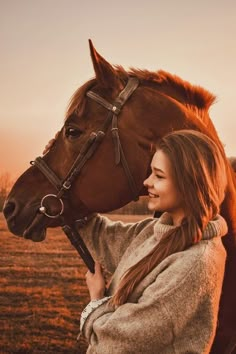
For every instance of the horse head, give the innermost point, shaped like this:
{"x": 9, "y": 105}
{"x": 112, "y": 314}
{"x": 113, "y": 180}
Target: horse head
{"x": 102, "y": 184}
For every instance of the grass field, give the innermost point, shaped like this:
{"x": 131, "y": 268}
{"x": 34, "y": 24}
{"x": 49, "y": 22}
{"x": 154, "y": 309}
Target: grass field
{"x": 42, "y": 293}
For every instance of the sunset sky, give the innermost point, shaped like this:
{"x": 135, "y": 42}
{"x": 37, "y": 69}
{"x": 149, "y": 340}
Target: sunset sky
{"x": 45, "y": 58}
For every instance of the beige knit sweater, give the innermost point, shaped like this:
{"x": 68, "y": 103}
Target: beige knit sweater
{"x": 174, "y": 308}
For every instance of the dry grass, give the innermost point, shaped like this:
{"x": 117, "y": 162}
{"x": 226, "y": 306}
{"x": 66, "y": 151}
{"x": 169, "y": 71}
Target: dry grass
{"x": 42, "y": 293}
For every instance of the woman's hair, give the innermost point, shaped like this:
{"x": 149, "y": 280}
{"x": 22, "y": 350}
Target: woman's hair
{"x": 199, "y": 172}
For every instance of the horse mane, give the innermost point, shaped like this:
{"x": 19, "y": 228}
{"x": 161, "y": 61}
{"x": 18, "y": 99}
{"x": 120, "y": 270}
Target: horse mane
{"x": 194, "y": 97}
{"x": 77, "y": 101}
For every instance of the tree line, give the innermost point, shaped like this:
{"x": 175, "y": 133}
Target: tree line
{"x": 6, "y": 183}
{"x": 134, "y": 208}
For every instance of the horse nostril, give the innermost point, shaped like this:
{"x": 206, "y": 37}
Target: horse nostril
{"x": 8, "y": 209}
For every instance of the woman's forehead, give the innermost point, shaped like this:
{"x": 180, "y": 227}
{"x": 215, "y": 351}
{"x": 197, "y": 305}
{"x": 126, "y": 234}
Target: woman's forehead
{"x": 160, "y": 161}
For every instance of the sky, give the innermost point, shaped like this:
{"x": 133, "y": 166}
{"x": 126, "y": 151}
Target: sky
{"x": 45, "y": 58}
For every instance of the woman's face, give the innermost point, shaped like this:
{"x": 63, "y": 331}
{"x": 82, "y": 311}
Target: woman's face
{"x": 163, "y": 194}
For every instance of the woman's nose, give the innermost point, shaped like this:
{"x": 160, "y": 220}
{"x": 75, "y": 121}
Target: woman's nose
{"x": 147, "y": 182}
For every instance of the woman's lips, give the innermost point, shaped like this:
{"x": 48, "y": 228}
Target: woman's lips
{"x": 152, "y": 195}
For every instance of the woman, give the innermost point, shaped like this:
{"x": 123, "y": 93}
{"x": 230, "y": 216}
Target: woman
{"x": 167, "y": 273}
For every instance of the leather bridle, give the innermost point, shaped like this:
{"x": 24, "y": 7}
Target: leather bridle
{"x": 86, "y": 152}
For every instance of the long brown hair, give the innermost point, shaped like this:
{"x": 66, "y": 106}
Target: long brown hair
{"x": 200, "y": 174}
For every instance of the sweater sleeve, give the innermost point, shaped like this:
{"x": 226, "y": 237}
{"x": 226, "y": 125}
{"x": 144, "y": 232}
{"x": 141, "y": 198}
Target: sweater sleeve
{"x": 107, "y": 240}
{"x": 131, "y": 328}
{"x": 177, "y": 313}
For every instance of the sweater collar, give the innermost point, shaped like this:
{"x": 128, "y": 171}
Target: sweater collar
{"x": 217, "y": 227}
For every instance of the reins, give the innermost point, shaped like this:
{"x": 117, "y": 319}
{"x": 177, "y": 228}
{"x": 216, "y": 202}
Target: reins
{"x": 86, "y": 152}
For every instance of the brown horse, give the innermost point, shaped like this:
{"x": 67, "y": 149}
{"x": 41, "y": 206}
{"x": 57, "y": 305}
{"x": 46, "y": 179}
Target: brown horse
{"x": 111, "y": 175}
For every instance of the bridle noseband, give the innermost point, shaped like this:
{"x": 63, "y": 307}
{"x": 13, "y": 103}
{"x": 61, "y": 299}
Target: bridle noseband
{"x": 86, "y": 152}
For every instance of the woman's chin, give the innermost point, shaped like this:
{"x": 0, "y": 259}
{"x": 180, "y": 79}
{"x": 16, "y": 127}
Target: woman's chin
{"x": 151, "y": 206}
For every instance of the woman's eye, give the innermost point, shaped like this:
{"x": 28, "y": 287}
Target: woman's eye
{"x": 159, "y": 176}
{"x": 72, "y": 133}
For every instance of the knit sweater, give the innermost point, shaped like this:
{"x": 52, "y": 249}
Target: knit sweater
{"x": 174, "y": 308}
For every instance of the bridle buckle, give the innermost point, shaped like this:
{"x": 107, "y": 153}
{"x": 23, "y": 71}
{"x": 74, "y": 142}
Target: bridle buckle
{"x": 66, "y": 185}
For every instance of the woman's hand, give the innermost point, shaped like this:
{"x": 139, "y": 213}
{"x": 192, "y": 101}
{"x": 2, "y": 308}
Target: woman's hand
{"x": 96, "y": 283}
{"x": 50, "y": 144}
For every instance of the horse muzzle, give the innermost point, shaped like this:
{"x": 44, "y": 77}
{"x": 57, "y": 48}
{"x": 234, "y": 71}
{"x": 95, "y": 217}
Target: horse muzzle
{"x": 25, "y": 222}
{"x": 36, "y": 231}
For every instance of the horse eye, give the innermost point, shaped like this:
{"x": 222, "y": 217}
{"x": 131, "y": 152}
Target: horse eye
{"x": 72, "y": 133}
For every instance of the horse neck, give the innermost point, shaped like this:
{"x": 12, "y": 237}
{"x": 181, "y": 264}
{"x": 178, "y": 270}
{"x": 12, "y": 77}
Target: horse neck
{"x": 189, "y": 103}
{"x": 198, "y": 102}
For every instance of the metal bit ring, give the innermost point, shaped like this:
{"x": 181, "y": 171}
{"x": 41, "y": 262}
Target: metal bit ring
{"x": 43, "y": 209}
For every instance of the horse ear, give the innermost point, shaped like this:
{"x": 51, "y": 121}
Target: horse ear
{"x": 105, "y": 73}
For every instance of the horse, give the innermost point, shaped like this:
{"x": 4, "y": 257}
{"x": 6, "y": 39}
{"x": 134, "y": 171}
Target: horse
{"x": 102, "y": 155}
